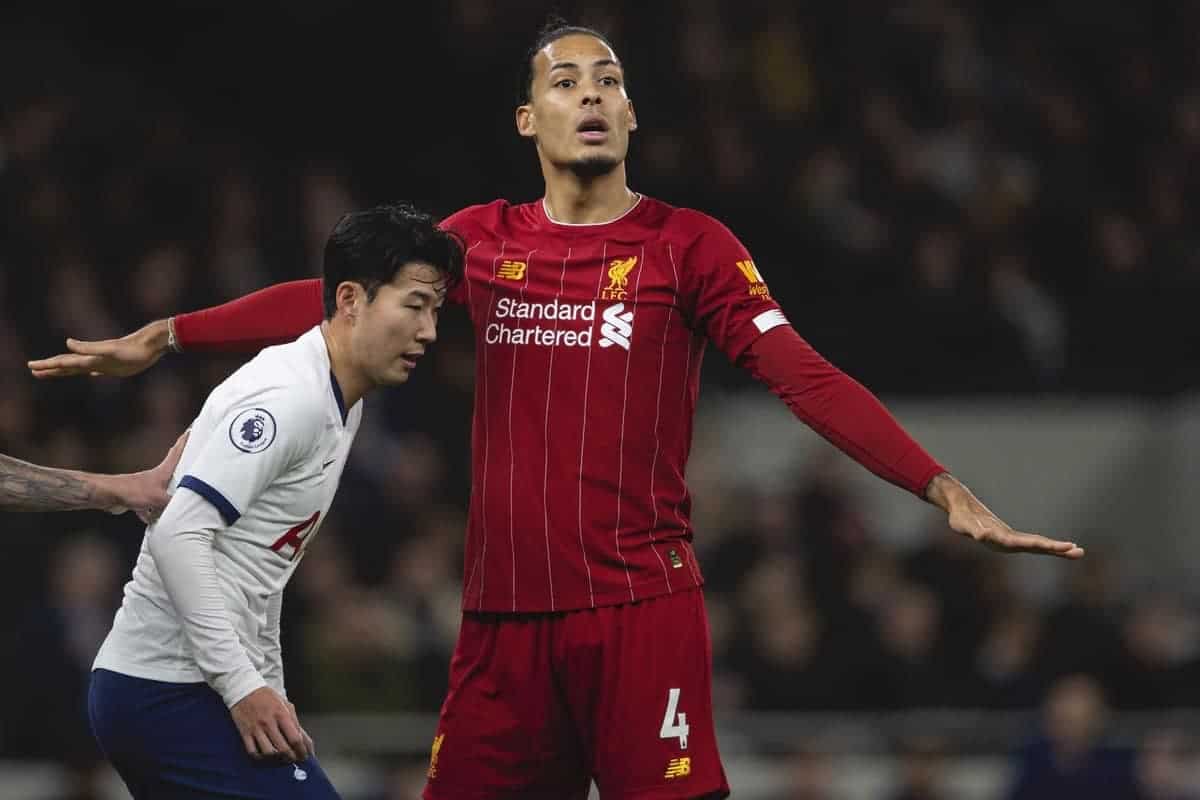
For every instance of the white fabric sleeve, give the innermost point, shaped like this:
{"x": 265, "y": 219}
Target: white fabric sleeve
{"x": 181, "y": 544}
{"x": 261, "y": 435}
{"x": 273, "y": 650}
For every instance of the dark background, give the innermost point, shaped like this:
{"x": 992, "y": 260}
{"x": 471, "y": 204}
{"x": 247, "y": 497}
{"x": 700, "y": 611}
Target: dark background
{"x": 950, "y": 200}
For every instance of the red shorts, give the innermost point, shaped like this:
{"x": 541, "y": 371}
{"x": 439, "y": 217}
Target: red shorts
{"x": 541, "y": 704}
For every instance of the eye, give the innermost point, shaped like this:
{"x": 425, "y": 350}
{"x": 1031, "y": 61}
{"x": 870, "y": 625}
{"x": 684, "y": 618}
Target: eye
{"x": 565, "y": 83}
{"x": 609, "y": 80}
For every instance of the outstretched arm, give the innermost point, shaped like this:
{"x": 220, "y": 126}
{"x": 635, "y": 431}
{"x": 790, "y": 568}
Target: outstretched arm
{"x": 969, "y": 516}
{"x": 843, "y": 411}
{"x": 274, "y": 315}
{"x": 30, "y": 487}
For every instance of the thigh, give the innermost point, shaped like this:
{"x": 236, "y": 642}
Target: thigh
{"x": 178, "y": 741}
{"x": 650, "y": 725}
{"x": 503, "y": 731}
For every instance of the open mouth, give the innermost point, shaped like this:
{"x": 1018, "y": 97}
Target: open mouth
{"x": 593, "y": 129}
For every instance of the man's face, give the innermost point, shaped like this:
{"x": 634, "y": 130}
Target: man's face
{"x": 392, "y": 331}
{"x": 578, "y": 110}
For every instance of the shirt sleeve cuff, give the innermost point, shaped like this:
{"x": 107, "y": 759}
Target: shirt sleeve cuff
{"x": 229, "y": 512}
{"x": 234, "y": 686}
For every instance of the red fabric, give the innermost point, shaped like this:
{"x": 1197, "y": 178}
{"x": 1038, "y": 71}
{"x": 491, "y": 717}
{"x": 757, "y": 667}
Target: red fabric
{"x": 274, "y": 315}
{"x": 540, "y": 703}
{"x": 839, "y": 408}
{"x": 589, "y": 341}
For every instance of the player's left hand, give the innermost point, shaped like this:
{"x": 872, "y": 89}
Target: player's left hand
{"x": 989, "y": 530}
{"x": 970, "y": 517}
{"x": 312, "y": 749}
{"x": 146, "y": 492}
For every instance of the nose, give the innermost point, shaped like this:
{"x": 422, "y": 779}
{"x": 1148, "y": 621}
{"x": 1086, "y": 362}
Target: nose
{"x": 591, "y": 95}
{"x": 427, "y": 333}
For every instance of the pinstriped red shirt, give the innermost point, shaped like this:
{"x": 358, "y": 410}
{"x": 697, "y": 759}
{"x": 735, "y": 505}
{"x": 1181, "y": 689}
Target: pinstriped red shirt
{"x": 590, "y": 340}
{"x": 589, "y": 345}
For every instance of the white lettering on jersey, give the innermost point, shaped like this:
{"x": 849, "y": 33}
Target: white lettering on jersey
{"x": 615, "y": 329}
{"x": 516, "y": 309}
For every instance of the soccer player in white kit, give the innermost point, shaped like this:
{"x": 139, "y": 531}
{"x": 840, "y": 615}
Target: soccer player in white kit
{"x": 187, "y": 696}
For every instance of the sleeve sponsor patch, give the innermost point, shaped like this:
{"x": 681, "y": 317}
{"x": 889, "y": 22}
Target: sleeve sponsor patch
{"x": 769, "y": 319}
{"x": 253, "y": 430}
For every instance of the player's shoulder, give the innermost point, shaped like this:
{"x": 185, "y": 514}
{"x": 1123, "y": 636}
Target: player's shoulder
{"x": 689, "y": 224}
{"x": 290, "y": 377}
{"x": 471, "y": 220}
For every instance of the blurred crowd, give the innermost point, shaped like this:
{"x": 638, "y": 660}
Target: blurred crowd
{"x": 948, "y": 199}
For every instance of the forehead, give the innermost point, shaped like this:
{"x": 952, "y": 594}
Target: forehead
{"x": 417, "y": 275}
{"x": 577, "y": 48}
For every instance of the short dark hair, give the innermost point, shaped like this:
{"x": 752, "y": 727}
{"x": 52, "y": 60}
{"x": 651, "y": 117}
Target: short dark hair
{"x": 554, "y": 29}
{"x": 369, "y": 247}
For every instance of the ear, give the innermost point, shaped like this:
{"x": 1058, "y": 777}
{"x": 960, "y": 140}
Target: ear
{"x": 350, "y": 297}
{"x": 632, "y": 115}
{"x": 526, "y": 126}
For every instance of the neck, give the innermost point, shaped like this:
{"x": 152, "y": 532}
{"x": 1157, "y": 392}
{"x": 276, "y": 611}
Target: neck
{"x": 351, "y": 380}
{"x": 586, "y": 201}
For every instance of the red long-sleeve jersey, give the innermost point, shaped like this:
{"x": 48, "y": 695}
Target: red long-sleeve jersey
{"x": 589, "y": 345}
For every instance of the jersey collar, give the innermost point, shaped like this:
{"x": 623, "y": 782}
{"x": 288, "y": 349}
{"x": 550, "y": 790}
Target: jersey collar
{"x": 337, "y": 395}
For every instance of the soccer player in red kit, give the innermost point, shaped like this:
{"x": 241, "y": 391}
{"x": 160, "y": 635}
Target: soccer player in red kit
{"x": 584, "y": 649}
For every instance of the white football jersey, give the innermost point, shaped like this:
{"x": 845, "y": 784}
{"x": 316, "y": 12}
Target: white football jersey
{"x": 267, "y": 452}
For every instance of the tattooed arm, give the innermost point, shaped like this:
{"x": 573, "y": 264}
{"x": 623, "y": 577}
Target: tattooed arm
{"x": 30, "y": 487}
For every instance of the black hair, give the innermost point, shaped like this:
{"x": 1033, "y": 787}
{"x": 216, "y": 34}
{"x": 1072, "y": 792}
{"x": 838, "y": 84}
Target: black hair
{"x": 369, "y": 247}
{"x": 554, "y": 29}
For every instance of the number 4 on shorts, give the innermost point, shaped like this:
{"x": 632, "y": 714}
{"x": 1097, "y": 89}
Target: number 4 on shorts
{"x": 671, "y": 730}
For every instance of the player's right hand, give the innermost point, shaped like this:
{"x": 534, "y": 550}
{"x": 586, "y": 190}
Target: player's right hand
{"x": 119, "y": 358}
{"x": 145, "y": 493}
{"x": 269, "y": 727}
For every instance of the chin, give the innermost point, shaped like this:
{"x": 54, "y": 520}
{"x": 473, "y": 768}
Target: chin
{"x": 594, "y": 165}
{"x": 396, "y": 378}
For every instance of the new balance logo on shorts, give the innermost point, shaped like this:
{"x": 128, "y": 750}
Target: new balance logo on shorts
{"x": 678, "y": 767}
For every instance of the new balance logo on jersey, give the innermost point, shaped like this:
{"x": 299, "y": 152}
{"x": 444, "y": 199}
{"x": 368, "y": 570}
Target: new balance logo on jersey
{"x": 617, "y": 327}
{"x": 512, "y": 270}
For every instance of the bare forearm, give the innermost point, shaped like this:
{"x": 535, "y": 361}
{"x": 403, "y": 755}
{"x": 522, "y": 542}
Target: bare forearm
{"x": 29, "y": 487}
{"x": 947, "y": 493}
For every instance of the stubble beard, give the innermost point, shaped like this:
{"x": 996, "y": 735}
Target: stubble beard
{"x": 594, "y": 166}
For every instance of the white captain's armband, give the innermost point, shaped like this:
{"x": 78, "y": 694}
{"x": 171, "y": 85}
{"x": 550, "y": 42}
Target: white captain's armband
{"x": 770, "y": 319}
